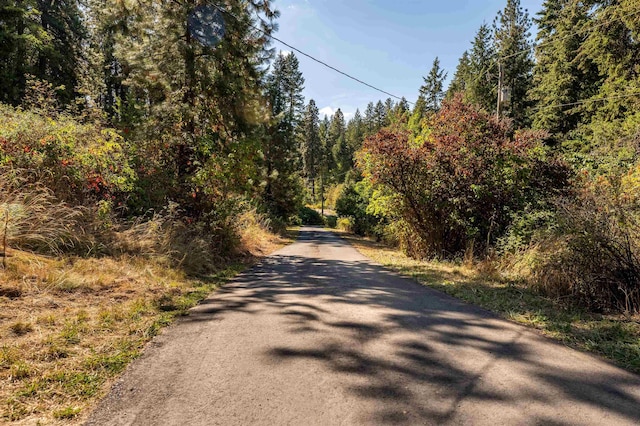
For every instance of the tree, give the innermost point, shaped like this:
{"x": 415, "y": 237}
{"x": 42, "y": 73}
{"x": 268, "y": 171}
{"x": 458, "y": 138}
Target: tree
{"x": 310, "y": 146}
{"x": 341, "y": 152}
{"x": 561, "y": 75}
{"x": 513, "y": 49}
{"x": 369, "y": 119}
{"x": 481, "y": 88}
{"x": 461, "y": 77}
{"x": 283, "y": 89}
{"x": 433, "y": 90}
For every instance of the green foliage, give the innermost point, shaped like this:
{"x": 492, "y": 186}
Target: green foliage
{"x": 353, "y": 202}
{"x": 77, "y": 162}
{"x": 459, "y": 187}
{"x": 309, "y": 216}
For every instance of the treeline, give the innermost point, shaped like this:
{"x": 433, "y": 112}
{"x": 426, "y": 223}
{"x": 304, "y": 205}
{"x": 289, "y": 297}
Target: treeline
{"x": 549, "y": 189}
{"x": 172, "y": 113}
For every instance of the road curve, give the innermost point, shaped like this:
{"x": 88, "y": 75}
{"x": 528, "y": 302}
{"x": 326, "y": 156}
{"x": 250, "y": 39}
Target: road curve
{"x": 319, "y": 335}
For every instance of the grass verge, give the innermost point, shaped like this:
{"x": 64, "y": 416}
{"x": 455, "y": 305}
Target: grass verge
{"x": 614, "y": 337}
{"x": 69, "y": 326}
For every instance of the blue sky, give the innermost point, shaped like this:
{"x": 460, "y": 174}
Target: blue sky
{"x": 390, "y": 44}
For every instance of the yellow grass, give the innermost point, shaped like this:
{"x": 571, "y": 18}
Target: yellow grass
{"x": 69, "y": 326}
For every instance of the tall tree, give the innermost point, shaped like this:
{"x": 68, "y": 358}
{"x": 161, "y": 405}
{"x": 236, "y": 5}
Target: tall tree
{"x": 461, "y": 77}
{"x": 310, "y": 145}
{"x": 482, "y": 65}
{"x": 561, "y": 75}
{"x": 513, "y": 49}
{"x": 433, "y": 87}
{"x": 284, "y": 95}
{"x": 341, "y": 152}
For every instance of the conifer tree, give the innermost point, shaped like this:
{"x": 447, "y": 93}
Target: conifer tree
{"x": 481, "y": 87}
{"x": 513, "y": 49}
{"x": 284, "y": 95}
{"x": 310, "y": 146}
{"x": 561, "y": 74}
{"x": 433, "y": 88}
{"x": 461, "y": 77}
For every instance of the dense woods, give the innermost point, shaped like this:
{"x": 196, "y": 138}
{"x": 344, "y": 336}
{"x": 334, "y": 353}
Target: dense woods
{"x": 122, "y": 113}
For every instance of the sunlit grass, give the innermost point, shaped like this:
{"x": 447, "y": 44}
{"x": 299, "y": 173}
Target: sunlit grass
{"x": 69, "y": 326}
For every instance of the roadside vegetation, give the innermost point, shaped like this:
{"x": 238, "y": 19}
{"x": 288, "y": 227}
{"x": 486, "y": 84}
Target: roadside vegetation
{"x": 138, "y": 172}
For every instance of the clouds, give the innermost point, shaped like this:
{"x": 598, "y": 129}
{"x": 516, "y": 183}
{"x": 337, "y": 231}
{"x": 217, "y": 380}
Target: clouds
{"x": 329, "y": 111}
{"x": 285, "y": 53}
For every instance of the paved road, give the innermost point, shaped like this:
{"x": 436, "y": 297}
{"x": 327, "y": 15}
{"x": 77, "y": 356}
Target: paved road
{"x": 319, "y": 335}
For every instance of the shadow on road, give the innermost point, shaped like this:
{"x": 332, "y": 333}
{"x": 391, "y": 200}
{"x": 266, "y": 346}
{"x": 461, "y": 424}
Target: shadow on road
{"x": 442, "y": 350}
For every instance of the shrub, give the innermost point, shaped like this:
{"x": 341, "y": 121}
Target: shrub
{"x": 309, "y": 216}
{"x": 331, "y": 221}
{"x": 459, "y": 186}
{"x": 75, "y": 161}
{"x": 345, "y": 224}
{"x": 594, "y": 254}
{"x": 354, "y": 202}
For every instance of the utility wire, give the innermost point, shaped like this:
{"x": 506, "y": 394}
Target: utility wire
{"x": 585, "y": 101}
{"x": 312, "y": 57}
{"x": 587, "y": 29}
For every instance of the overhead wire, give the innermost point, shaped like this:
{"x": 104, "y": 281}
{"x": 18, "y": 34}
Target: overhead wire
{"x": 585, "y": 101}
{"x": 271, "y": 36}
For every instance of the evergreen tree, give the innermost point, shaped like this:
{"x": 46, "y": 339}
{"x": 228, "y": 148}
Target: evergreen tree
{"x": 369, "y": 119}
{"x": 461, "y": 77}
{"x": 355, "y": 131}
{"x": 379, "y": 117}
{"x": 513, "y": 49}
{"x": 341, "y": 152}
{"x": 310, "y": 145}
{"x": 481, "y": 87}
{"x": 561, "y": 75}
{"x": 284, "y": 95}
{"x": 433, "y": 90}
{"x": 59, "y": 60}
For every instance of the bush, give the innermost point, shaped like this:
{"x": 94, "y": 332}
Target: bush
{"x": 459, "y": 186}
{"x": 354, "y": 202}
{"x": 345, "y": 224}
{"x": 77, "y": 162}
{"x": 594, "y": 254}
{"x": 331, "y": 221}
{"x": 309, "y": 216}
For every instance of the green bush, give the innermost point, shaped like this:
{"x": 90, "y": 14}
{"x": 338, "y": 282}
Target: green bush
{"x": 78, "y": 162}
{"x": 331, "y": 221}
{"x": 309, "y": 216}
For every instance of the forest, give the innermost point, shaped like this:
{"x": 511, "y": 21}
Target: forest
{"x": 115, "y": 114}
{"x": 127, "y": 131}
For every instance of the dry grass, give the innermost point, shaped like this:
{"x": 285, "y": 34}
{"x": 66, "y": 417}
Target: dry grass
{"x": 69, "y": 326}
{"x": 614, "y": 337}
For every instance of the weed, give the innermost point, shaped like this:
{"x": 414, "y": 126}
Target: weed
{"x": 66, "y": 413}
{"x": 21, "y": 328}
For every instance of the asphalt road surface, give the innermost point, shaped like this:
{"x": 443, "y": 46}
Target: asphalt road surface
{"x": 319, "y": 335}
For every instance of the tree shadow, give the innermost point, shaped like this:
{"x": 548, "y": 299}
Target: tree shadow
{"x": 409, "y": 354}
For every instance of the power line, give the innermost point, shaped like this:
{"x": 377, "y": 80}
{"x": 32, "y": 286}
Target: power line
{"x": 589, "y": 29}
{"x": 313, "y": 58}
{"x": 585, "y": 101}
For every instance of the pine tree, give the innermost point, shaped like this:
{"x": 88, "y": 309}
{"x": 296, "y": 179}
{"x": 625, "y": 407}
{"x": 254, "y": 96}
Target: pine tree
{"x": 310, "y": 145}
{"x": 59, "y": 61}
{"x": 22, "y": 38}
{"x": 561, "y": 76}
{"x": 379, "y": 117}
{"x": 342, "y": 155}
{"x": 461, "y": 77}
{"x": 284, "y": 95}
{"x": 433, "y": 89}
{"x": 481, "y": 87}
{"x": 513, "y": 49}
{"x": 369, "y": 119}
